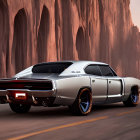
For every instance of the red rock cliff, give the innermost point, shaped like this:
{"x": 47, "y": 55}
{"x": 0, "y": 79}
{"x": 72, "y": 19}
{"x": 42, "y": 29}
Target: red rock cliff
{"x": 33, "y": 31}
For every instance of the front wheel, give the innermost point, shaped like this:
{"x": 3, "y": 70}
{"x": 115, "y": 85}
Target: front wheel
{"x": 20, "y": 108}
{"x": 133, "y": 100}
{"x": 83, "y": 103}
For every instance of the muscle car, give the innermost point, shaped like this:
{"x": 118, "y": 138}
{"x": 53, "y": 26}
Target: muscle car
{"x": 77, "y": 84}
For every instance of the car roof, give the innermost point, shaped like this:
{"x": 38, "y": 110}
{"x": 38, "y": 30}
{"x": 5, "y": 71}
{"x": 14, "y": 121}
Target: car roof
{"x": 76, "y": 62}
{"x": 77, "y": 68}
{"x": 90, "y": 62}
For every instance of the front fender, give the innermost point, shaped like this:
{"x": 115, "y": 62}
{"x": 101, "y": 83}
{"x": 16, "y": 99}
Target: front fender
{"x": 130, "y": 82}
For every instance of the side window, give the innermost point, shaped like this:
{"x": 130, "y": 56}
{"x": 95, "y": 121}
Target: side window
{"x": 93, "y": 69}
{"x": 106, "y": 71}
{"x": 113, "y": 72}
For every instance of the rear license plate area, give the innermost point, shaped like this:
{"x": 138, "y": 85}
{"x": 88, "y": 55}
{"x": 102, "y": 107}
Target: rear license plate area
{"x": 20, "y": 96}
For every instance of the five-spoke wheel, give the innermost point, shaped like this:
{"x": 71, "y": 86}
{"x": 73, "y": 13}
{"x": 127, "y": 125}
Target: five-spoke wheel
{"x": 133, "y": 99}
{"x": 83, "y": 102}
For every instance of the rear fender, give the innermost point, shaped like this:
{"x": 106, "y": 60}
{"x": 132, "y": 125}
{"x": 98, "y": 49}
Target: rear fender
{"x": 68, "y": 89}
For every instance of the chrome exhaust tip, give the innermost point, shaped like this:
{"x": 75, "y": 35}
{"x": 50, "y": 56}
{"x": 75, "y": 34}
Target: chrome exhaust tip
{"x": 8, "y": 100}
{"x": 34, "y": 100}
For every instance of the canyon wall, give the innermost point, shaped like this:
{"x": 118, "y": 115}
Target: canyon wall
{"x": 33, "y": 31}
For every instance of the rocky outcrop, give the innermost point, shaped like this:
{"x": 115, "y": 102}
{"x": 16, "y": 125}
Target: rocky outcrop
{"x": 48, "y": 30}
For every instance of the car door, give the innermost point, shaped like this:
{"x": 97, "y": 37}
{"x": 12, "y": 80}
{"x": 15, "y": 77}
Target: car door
{"x": 114, "y": 84}
{"x": 98, "y": 84}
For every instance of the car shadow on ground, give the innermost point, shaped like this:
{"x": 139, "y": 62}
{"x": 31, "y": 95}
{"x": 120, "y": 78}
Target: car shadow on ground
{"x": 107, "y": 106}
{"x": 51, "y": 112}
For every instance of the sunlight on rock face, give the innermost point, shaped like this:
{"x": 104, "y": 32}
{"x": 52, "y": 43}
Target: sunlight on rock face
{"x": 19, "y": 48}
{"x": 43, "y": 36}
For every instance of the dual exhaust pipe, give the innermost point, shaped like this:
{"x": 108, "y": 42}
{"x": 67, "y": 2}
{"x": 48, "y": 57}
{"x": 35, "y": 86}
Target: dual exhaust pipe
{"x": 44, "y": 103}
{"x": 9, "y": 101}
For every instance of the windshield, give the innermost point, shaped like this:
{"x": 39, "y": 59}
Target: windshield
{"x": 52, "y": 67}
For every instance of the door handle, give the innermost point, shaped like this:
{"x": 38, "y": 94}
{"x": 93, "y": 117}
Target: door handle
{"x": 109, "y": 82}
{"x": 93, "y": 81}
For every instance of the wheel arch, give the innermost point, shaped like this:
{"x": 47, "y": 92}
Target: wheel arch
{"x": 85, "y": 87}
{"x": 133, "y": 98}
{"x": 77, "y": 107}
{"x": 135, "y": 88}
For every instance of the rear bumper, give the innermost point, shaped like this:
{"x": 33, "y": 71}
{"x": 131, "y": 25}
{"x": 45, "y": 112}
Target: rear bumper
{"x": 6, "y": 96}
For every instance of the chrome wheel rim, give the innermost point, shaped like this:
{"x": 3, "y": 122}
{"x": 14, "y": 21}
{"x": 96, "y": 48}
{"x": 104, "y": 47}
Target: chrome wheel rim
{"x": 84, "y": 102}
{"x": 134, "y": 98}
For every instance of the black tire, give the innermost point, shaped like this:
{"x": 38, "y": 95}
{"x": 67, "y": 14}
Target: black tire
{"x": 20, "y": 108}
{"x": 133, "y": 99}
{"x": 83, "y": 103}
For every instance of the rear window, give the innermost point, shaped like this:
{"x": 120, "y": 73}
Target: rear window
{"x": 51, "y": 67}
{"x": 93, "y": 69}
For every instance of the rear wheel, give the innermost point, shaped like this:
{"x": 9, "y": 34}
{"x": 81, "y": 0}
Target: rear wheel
{"x": 83, "y": 103}
{"x": 133, "y": 99}
{"x": 20, "y": 108}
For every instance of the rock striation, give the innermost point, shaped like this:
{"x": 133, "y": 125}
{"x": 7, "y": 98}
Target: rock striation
{"x": 49, "y": 30}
